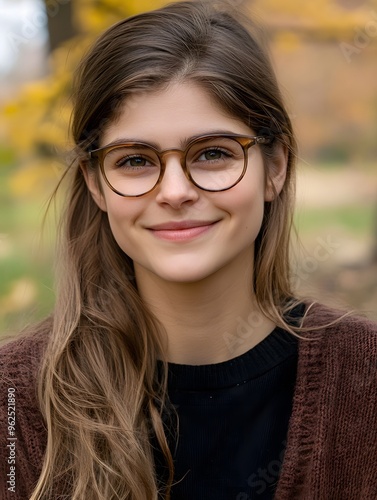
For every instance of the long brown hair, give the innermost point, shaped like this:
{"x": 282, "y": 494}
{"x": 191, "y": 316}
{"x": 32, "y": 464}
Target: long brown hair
{"x": 100, "y": 392}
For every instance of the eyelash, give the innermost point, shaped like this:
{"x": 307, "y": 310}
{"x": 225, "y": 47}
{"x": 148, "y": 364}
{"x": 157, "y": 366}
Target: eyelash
{"x": 121, "y": 163}
{"x": 216, "y": 149}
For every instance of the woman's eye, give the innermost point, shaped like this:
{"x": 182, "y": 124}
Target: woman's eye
{"x": 212, "y": 155}
{"x": 133, "y": 161}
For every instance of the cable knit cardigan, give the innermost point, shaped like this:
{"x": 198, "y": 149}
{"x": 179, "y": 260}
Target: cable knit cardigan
{"x": 331, "y": 451}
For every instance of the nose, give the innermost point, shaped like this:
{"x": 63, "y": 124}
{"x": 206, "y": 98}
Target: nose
{"x": 175, "y": 188}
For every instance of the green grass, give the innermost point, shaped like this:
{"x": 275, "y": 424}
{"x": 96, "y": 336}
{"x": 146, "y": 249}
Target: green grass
{"x": 356, "y": 220}
{"x": 25, "y": 255}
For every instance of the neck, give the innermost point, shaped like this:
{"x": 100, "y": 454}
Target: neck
{"x": 210, "y": 321}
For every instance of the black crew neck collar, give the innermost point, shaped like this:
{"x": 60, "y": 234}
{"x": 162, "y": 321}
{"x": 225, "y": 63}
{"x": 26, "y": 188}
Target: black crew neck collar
{"x": 278, "y": 346}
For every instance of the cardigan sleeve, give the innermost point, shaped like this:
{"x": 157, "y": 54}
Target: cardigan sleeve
{"x": 23, "y": 433}
{"x": 332, "y": 440}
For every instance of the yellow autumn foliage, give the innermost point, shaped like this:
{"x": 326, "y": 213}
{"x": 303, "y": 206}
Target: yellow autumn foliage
{"x": 22, "y": 294}
{"x": 93, "y": 16}
{"x": 35, "y": 178}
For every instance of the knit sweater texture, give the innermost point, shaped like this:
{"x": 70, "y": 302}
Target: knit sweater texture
{"x": 331, "y": 451}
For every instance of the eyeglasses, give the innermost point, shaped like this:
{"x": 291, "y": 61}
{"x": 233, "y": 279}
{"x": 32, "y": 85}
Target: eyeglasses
{"x": 211, "y": 162}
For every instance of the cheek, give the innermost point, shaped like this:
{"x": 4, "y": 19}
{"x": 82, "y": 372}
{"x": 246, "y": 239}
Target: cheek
{"x": 122, "y": 214}
{"x": 250, "y": 207}
{"x": 251, "y": 210}
{"x": 247, "y": 200}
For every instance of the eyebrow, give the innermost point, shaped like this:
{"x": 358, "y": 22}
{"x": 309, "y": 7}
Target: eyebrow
{"x": 183, "y": 143}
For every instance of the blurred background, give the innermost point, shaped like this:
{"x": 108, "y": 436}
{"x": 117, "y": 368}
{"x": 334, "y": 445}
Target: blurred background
{"x": 325, "y": 55}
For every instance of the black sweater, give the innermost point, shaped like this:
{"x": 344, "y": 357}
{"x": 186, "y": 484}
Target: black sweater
{"x": 233, "y": 422}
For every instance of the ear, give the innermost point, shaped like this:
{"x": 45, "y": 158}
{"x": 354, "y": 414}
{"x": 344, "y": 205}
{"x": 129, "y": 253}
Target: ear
{"x": 92, "y": 182}
{"x": 277, "y": 172}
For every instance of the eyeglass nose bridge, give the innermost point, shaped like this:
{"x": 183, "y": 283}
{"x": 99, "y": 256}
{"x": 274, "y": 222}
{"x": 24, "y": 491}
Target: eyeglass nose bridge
{"x": 182, "y": 154}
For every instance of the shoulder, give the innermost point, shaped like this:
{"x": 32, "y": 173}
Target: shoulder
{"x": 341, "y": 346}
{"x": 334, "y": 417}
{"x": 23, "y": 443}
{"x": 332, "y": 326}
{"x": 20, "y": 360}
{"x": 20, "y": 357}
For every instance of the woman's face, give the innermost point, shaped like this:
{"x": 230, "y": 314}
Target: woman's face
{"x": 178, "y": 232}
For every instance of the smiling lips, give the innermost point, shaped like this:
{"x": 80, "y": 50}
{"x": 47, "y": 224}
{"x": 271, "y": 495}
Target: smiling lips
{"x": 181, "y": 231}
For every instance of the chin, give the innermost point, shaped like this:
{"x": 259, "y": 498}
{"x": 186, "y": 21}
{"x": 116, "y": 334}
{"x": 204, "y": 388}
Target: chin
{"x": 183, "y": 277}
{"x": 178, "y": 272}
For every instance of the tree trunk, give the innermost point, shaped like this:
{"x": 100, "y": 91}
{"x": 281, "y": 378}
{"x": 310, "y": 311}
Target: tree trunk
{"x": 60, "y": 21}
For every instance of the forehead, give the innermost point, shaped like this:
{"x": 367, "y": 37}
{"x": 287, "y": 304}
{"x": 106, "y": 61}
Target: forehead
{"x": 171, "y": 116}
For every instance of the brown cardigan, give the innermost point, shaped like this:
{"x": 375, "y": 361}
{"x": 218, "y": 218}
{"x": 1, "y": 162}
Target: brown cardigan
{"x": 331, "y": 449}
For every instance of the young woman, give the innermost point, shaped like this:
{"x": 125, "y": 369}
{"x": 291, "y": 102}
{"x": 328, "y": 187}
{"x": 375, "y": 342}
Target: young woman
{"x": 178, "y": 362}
